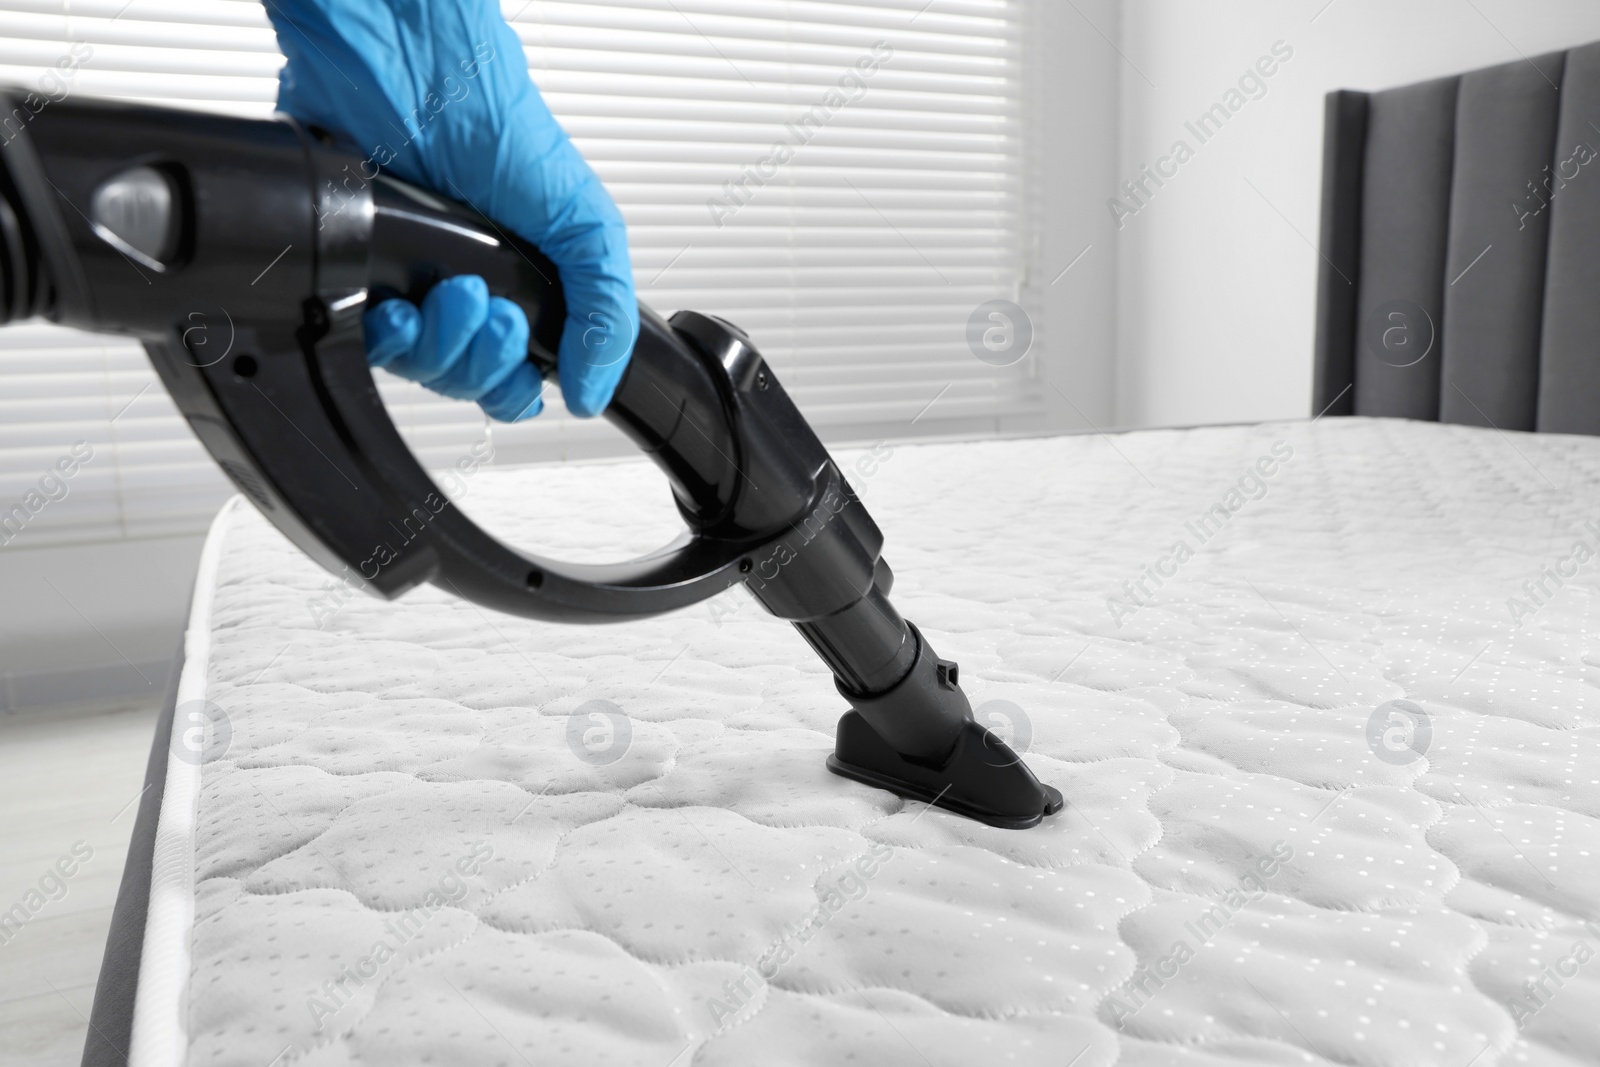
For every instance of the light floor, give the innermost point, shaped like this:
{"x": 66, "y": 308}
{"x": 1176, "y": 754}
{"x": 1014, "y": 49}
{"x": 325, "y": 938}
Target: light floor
{"x": 64, "y": 779}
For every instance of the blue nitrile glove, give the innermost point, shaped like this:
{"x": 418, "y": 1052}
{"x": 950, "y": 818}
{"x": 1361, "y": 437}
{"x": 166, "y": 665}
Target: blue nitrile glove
{"x": 437, "y": 92}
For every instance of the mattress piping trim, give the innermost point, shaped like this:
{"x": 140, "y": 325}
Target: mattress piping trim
{"x": 160, "y": 1007}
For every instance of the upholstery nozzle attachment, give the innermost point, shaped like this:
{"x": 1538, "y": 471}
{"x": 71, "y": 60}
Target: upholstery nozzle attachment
{"x": 919, "y": 740}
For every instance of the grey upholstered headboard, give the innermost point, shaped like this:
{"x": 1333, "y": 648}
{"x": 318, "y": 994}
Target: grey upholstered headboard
{"x": 1460, "y": 279}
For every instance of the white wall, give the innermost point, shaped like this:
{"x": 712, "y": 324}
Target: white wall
{"x": 1216, "y": 280}
{"x": 1074, "y": 159}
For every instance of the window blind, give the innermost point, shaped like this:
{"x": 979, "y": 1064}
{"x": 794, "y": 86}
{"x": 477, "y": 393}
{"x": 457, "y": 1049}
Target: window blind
{"x": 850, "y": 220}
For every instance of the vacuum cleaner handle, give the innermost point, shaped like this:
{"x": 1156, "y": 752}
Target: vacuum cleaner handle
{"x": 696, "y": 396}
{"x": 243, "y": 253}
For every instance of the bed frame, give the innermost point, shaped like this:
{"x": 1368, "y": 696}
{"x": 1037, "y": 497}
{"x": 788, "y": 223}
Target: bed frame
{"x": 1460, "y": 273}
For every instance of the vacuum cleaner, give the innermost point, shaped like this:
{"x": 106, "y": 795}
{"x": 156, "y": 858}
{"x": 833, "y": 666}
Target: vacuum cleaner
{"x": 157, "y": 224}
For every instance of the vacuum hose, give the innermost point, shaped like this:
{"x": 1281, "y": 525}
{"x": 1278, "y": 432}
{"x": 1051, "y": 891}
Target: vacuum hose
{"x": 243, "y": 253}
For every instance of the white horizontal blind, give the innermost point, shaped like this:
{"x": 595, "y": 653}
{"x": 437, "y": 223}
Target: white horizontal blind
{"x": 146, "y": 476}
{"x": 854, "y": 254}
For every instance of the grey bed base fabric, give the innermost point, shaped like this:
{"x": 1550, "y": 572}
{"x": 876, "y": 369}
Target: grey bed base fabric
{"x": 111, "y": 1018}
{"x": 1460, "y": 264}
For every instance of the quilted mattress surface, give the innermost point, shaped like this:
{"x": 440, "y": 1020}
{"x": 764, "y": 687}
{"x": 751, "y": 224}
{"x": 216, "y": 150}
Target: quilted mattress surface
{"x": 1321, "y": 698}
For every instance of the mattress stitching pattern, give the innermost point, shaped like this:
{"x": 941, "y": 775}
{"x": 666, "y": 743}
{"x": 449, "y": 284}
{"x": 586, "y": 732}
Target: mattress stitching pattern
{"x": 1173, "y": 760}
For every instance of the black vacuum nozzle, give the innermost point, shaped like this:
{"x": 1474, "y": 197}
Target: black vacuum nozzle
{"x": 157, "y": 224}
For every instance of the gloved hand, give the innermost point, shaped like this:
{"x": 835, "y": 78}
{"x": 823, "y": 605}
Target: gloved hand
{"x": 437, "y": 92}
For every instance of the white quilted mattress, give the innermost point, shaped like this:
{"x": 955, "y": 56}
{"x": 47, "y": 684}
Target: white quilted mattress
{"x": 425, "y": 843}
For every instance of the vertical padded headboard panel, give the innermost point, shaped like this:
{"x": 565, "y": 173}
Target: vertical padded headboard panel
{"x": 1344, "y": 122}
{"x": 1569, "y": 363}
{"x": 1495, "y": 267}
{"x": 1405, "y": 203}
{"x": 1460, "y": 274}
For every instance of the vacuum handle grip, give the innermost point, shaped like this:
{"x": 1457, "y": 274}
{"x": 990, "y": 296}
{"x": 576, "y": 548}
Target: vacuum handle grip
{"x": 419, "y": 239}
{"x": 669, "y": 400}
{"x": 289, "y": 408}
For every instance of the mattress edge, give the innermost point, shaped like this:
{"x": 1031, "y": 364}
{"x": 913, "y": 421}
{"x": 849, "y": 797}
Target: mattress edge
{"x": 159, "y": 1035}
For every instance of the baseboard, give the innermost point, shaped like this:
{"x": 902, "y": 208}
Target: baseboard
{"x": 101, "y": 685}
